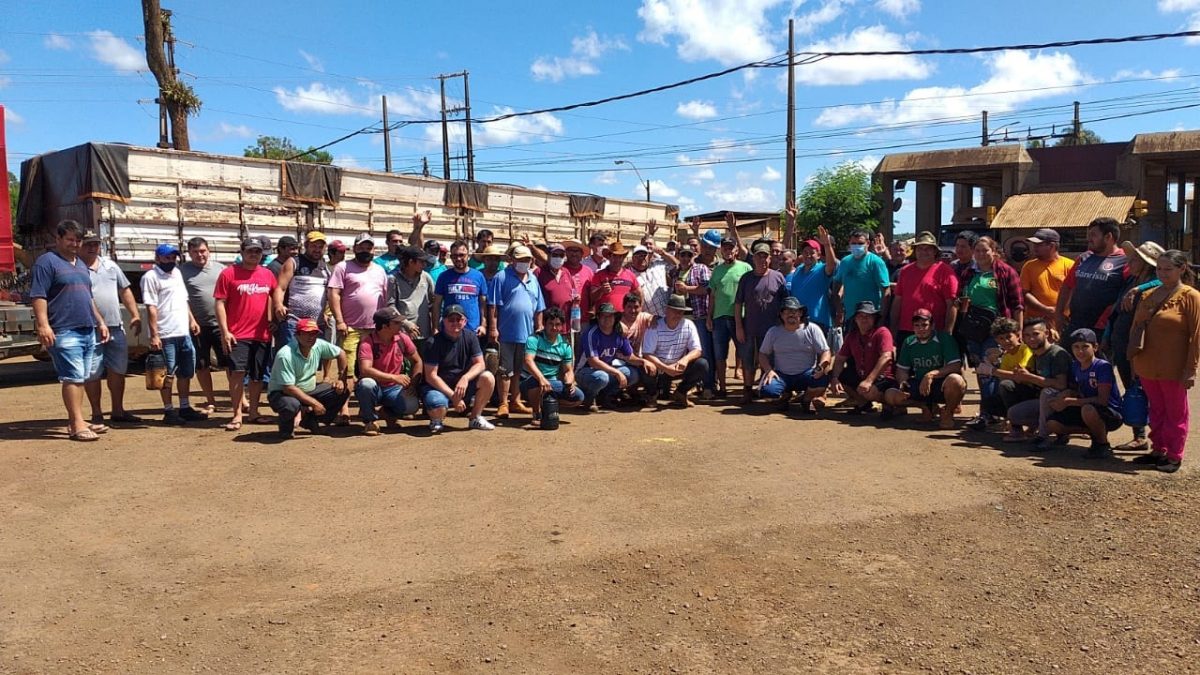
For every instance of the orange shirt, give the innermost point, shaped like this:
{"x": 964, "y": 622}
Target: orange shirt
{"x": 1172, "y": 338}
{"x": 1044, "y": 280}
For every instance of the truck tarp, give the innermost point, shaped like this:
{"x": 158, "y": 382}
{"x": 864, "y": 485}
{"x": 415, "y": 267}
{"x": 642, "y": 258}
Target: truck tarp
{"x": 58, "y": 185}
{"x": 307, "y": 182}
{"x": 461, "y": 194}
{"x": 587, "y": 206}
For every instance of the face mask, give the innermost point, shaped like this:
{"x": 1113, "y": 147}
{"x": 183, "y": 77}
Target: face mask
{"x": 858, "y": 250}
{"x": 557, "y": 262}
{"x": 521, "y": 267}
{"x": 167, "y": 267}
{"x": 363, "y": 257}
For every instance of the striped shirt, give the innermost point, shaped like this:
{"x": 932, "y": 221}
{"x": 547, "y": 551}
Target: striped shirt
{"x": 671, "y": 344}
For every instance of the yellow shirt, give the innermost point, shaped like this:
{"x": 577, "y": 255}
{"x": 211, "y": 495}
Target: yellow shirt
{"x": 1020, "y": 357}
{"x": 1044, "y": 280}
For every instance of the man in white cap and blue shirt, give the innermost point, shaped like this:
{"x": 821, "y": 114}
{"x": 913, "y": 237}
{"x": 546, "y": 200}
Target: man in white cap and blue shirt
{"x": 171, "y": 327}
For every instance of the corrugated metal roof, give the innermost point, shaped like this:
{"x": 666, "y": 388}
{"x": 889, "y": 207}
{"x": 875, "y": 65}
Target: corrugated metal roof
{"x": 1064, "y": 208}
{"x": 1166, "y": 142}
{"x": 995, "y": 156}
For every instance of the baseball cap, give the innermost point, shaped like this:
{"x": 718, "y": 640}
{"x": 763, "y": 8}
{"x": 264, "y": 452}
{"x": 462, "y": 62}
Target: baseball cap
{"x": 811, "y": 243}
{"x": 454, "y": 309}
{"x": 252, "y": 243}
{"x": 287, "y": 240}
{"x": 432, "y": 246}
{"x": 606, "y": 308}
{"x": 685, "y": 249}
{"x": 307, "y": 326}
{"x": 364, "y": 236}
{"x": 923, "y": 313}
{"x": 1084, "y": 335}
{"x": 386, "y": 314}
{"x": 166, "y": 249}
{"x": 314, "y": 235}
{"x": 336, "y": 245}
{"x": 790, "y": 302}
{"x": 712, "y": 238}
{"x": 90, "y": 235}
{"x": 521, "y": 252}
{"x": 1045, "y": 235}
{"x": 558, "y": 248}
{"x": 761, "y": 247}
{"x": 640, "y": 249}
{"x": 264, "y": 241}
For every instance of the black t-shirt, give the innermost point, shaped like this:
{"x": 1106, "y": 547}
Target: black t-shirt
{"x": 452, "y": 357}
{"x": 1056, "y": 361}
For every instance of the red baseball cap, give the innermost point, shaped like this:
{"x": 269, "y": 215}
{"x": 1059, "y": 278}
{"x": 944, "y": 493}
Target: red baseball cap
{"x": 811, "y": 243}
{"x": 307, "y": 326}
{"x": 923, "y": 313}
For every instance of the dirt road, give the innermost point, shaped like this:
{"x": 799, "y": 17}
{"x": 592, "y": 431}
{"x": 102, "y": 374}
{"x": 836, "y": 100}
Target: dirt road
{"x": 708, "y": 540}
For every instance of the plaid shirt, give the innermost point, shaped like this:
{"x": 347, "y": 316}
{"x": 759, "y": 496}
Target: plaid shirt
{"x": 697, "y": 275}
{"x": 1009, "y": 297}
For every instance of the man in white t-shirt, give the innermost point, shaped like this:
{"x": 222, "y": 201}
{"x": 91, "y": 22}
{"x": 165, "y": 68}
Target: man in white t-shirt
{"x": 171, "y": 329}
{"x": 671, "y": 351}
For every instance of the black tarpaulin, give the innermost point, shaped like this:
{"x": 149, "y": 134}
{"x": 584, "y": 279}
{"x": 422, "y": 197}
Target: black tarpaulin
{"x": 307, "y": 182}
{"x": 587, "y": 206}
{"x": 466, "y": 195}
{"x": 58, "y": 185}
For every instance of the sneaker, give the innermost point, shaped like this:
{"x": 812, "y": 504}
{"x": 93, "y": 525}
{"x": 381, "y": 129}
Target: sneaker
{"x": 707, "y": 395}
{"x": 1098, "y": 451}
{"x": 173, "y": 418}
{"x": 1151, "y": 458}
{"x": 435, "y": 426}
{"x": 309, "y": 422}
{"x": 978, "y": 423}
{"x": 482, "y": 424}
{"x": 192, "y": 415}
{"x": 1042, "y": 444}
{"x": 1167, "y": 466}
{"x": 371, "y": 428}
{"x": 502, "y": 410}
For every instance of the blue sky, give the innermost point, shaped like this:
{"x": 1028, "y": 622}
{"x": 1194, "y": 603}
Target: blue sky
{"x": 74, "y": 72}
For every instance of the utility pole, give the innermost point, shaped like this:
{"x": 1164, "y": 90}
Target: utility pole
{"x": 985, "y": 129}
{"x": 445, "y": 133}
{"x": 1077, "y": 126}
{"x": 387, "y": 140}
{"x": 467, "y": 106}
{"x": 425, "y": 167}
{"x": 789, "y": 236}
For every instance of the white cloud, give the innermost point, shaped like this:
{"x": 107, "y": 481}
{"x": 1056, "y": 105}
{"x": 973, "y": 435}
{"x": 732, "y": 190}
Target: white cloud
{"x": 11, "y": 116}
{"x": 313, "y": 62}
{"x": 227, "y": 130}
{"x": 1016, "y": 78}
{"x": 807, "y": 23}
{"x": 347, "y": 162}
{"x": 900, "y": 9}
{"x": 56, "y": 41}
{"x": 729, "y": 31}
{"x": 585, "y": 50}
{"x": 851, "y": 70}
{"x": 116, "y": 52}
{"x": 870, "y": 162}
{"x": 607, "y": 178}
{"x": 1146, "y": 74}
{"x": 701, "y": 175}
{"x": 749, "y": 198}
{"x": 542, "y": 126}
{"x": 658, "y": 190}
{"x": 322, "y": 99}
{"x": 1181, "y": 6}
{"x": 771, "y": 174}
{"x": 696, "y": 110}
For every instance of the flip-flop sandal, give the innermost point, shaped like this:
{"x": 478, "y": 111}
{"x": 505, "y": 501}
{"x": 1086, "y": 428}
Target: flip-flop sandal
{"x": 232, "y": 426}
{"x": 84, "y": 435}
{"x": 98, "y": 428}
{"x": 126, "y": 418}
{"x": 1136, "y": 444}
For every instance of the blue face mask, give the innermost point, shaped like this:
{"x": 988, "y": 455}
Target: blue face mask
{"x": 858, "y": 250}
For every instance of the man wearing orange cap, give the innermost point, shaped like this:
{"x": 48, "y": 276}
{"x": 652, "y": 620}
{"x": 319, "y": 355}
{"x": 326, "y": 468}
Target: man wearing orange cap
{"x": 294, "y": 390}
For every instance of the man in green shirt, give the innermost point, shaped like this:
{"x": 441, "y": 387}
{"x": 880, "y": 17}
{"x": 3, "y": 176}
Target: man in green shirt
{"x": 928, "y": 372}
{"x": 722, "y": 291}
{"x": 549, "y": 366}
{"x": 294, "y": 391}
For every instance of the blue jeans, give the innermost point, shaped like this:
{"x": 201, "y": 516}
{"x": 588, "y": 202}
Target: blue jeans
{"x": 706, "y": 349}
{"x": 724, "y": 330}
{"x": 180, "y": 356}
{"x": 435, "y": 399}
{"x": 72, "y": 354}
{"x": 392, "y": 398}
{"x": 595, "y": 382}
{"x": 556, "y": 386}
{"x": 111, "y": 356}
{"x": 799, "y": 382}
{"x": 976, "y": 352}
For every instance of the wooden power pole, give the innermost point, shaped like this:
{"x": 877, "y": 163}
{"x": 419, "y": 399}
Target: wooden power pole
{"x": 789, "y": 236}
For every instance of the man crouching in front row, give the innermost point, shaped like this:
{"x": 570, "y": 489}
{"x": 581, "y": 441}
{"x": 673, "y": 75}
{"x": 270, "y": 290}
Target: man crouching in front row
{"x": 928, "y": 372}
{"x": 294, "y": 392}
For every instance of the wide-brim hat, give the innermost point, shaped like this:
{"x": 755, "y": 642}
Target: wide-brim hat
{"x": 617, "y": 248}
{"x": 571, "y": 243}
{"x": 678, "y": 302}
{"x": 491, "y": 250}
{"x": 1148, "y": 251}
{"x": 925, "y": 239}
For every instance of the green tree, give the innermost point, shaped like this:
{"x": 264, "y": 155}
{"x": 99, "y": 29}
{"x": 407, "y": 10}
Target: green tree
{"x": 14, "y": 187}
{"x": 1086, "y": 137}
{"x": 842, "y": 198}
{"x": 281, "y": 147}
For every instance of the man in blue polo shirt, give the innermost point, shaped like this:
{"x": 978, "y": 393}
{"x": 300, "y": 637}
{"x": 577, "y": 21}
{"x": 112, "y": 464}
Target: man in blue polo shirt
{"x": 515, "y": 306}
{"x": 68, "y": 321}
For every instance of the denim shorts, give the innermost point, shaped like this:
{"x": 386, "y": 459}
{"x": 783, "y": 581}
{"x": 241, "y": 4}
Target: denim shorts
{"x": 72, "y": 354}
{"x": 180, "y": 356}
{"x": 111, "y": 357}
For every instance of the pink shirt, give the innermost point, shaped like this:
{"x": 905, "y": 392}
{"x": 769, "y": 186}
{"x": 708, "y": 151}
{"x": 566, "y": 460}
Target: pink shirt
{"x": 388, "y": 358}
{"x": 924, "y": 289}
{"x": 364, "y": 290}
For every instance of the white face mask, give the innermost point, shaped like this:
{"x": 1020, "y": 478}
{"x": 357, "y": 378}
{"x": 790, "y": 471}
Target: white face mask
{"x": 521, "y": 267}
{"x": 557, "y": 262}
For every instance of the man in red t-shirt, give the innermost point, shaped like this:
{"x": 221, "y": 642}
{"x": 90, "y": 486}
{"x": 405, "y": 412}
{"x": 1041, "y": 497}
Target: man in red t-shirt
{"x": 389, "y": 369}
{"x": 614, "y": 282}
{"x": 243, "y": 298}
{"x": 864, "y": 367}
{"x": 563, "y": 278}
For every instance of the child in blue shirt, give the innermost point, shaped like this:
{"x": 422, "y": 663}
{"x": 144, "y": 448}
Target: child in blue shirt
{"x": 1092, "y": 405}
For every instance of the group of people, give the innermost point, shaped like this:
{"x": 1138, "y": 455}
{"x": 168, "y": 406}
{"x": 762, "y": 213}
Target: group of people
{"x": 598, "y": 325}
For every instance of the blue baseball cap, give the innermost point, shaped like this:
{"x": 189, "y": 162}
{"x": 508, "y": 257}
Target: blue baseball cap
{"x": 166, "y": 249}
{"x": 712, "y": 238}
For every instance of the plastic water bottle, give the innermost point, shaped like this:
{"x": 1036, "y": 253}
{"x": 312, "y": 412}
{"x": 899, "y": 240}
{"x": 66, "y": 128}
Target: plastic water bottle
{"x": 1136, "y": 408}
{"x": 576, "y": 316}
